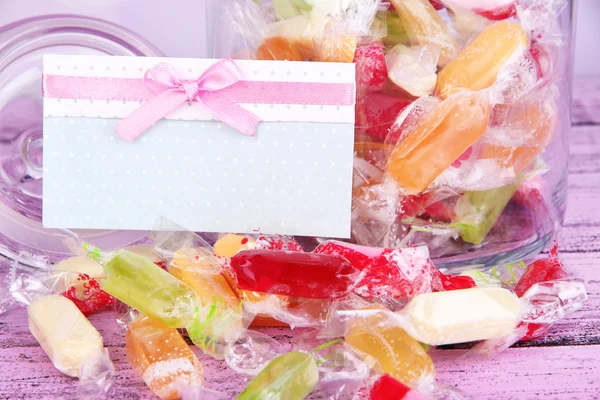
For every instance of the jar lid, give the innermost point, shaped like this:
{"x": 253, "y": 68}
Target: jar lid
{"x": 22, "y": 46}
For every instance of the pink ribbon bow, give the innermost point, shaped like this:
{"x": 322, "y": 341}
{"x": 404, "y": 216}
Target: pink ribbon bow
{"x": 171, "y": 92}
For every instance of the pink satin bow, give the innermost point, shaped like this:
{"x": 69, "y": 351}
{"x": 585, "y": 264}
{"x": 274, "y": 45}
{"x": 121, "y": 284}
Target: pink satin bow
{"x": 171, "y": 92}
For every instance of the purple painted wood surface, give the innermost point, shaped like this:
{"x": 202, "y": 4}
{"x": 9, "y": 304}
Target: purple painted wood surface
{"x": 564, "y": 365}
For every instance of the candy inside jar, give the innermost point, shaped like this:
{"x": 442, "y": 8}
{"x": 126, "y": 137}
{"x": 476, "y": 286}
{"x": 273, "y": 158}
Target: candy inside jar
{"x": 461, "y": 113}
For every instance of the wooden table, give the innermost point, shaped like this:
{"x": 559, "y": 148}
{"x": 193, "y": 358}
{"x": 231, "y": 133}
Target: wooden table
{"x": 564, "y": 365}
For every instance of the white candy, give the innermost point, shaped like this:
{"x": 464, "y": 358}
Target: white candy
{"x": 414, "y": 68}
{"x": 64, "y": 333}
{"x": 459, "y": 316}
{"x": 83, "y": 265}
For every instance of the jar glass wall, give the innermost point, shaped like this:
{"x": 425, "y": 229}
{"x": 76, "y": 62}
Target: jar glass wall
{"x": 22, "y": 45}
{"x": 463, "y": 113}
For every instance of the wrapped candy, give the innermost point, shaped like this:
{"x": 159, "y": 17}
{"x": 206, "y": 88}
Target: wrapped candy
{"x": 73, "y": 345}
{"x": 446, "y": 133}
{"x": 486, "y": 312}
{"x": 377, "y": 112}
{"x": 82, "y": 265}
{"x": 86, "y": 292}
{"x": 230, "y": 244}
{"x": 218, "y": 316}
{"x": 431, "y": 120}
{"x": 394, "y": 275}
{"x": 220, "y": 319}
{"x": 494, "y": 10}
{"x": 336, "y": 47}
{"x": 423, "y": 25}
{"x": 291, "y": 376}
{"x": 521, "y": 134}
{"x": 76, "y": 278}
{"x": 371, "y": 68}
{"x": 413, "y": 69}
{"x": 130, "y": 277}
{"x": 545, "y": 282}
{"x": 162, "y": 358}
{"x": 496, "y": 45}
{"x": 389, "y": 348}
{"x": 315, "y": 276}
{"x": 477, "y": 212}
{"x": 388, "y": 388}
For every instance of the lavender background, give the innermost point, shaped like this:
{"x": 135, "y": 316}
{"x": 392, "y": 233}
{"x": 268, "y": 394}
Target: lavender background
{"x": 177, "y": 26}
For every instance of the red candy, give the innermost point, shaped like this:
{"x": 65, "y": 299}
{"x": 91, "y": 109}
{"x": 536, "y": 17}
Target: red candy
{"x": 358, "y": 256}
{"x": 161, "y": 264}
{"x": 436, "y": 4}
{"x": 425, "y": 203}
{"x": 377, "y": 112}
{"x": 543, "y": 270}
{"x": 276, "y": 242}
{"x": 499, "y": 13}
{"x": 451, "y": 282}
{"x": 88, "y": 296}
{"x": 402, "y": 274}
{"x": 535, "y": 331}
{"x": 297, "y": 274}
{"x": 371, "y": 69}
{"x": 388, "y": 388}
{"x": 399, "y": 274}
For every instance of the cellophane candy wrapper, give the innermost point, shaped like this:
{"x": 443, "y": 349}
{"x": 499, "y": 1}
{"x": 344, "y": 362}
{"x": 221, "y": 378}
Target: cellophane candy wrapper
{"x": 57, "y": 299}
{"x": 456, "y": 105}
{"x": 370, "y": 339}
{"x": 219, "y": 316}
{"x": 486, "y": 312}
{"x": 162, "y": 358}
{"x": 76, "y": 278}
{"x": 547, "y": 288}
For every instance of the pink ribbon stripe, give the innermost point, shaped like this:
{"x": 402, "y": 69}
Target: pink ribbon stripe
{"x": 220, "y": 89}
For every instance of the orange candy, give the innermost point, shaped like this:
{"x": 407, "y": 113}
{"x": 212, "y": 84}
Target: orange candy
{"x": 161, "y": 356}
{"x": 201, "y": 276}
{"x": 336, "y": 47}
{"x": 278, "y": 48}
{"x": 478, "y": 65}
{"x": 537, "y": 123}
{"x": 446, "y": 133}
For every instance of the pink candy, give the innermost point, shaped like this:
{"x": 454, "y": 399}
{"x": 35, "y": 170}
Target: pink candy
{"x": 371, "y": 70}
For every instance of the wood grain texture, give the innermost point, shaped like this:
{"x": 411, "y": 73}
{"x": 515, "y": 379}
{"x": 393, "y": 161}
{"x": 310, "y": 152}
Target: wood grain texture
{"x": 563, "y": 365}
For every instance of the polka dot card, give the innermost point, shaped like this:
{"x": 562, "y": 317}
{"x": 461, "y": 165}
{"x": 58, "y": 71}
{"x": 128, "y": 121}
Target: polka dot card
{"x": 214, "y": 145}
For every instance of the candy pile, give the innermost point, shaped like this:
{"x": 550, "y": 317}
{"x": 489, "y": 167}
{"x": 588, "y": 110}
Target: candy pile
{"x": 456, "y": 102}
{"x": 369, "y": 314}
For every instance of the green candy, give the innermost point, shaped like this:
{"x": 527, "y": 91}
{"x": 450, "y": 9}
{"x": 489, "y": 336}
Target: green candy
{"x": 143, "y": 285}
{"x": 396, "y": 33}
{"x": 291, "y": 376}
{"x": 285, "y": 9}
{"x": 477, "y": 212}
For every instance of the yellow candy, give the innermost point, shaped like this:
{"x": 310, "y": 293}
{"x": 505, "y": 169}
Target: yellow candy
{"x": 478, "y": 65}
{"x": 217, "y": 299}
{"x": 388, "y": 348}
{"x": 230, "y": 244}
{"x": 423, "y": 25}
{"x": 162, "y": 358}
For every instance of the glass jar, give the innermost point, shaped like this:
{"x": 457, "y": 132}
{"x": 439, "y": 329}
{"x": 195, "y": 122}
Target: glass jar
{"x": 22, "y": 45}
{"x": 463, "y": 113}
